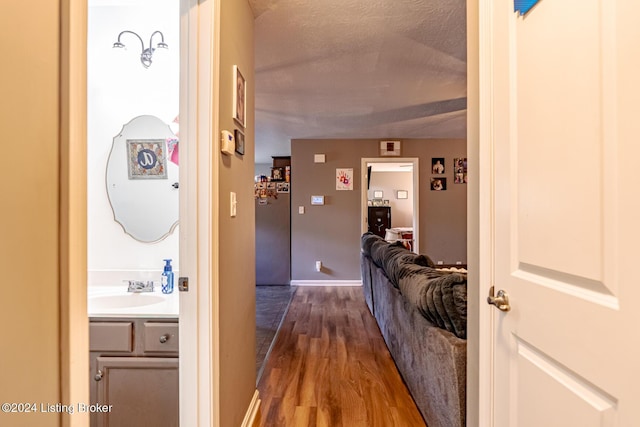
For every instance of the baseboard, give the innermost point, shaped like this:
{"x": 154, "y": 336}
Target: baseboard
{"x": 326, "y": 283}
{"x": 250, "y": 418}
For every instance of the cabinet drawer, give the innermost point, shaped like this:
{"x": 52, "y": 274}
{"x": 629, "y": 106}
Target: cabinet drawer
{"x": 111, "y": 336}
{"x": 160, "y": 337}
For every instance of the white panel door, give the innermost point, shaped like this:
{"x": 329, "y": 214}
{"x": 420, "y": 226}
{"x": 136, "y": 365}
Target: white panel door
{"x": 560, "y": 119}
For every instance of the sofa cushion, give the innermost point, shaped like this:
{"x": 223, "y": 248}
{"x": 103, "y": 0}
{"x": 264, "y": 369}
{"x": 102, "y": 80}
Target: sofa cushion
{"x": 441, "y": 297}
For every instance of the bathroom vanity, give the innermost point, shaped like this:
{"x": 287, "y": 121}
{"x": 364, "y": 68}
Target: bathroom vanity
{"x": 133, "y": 350}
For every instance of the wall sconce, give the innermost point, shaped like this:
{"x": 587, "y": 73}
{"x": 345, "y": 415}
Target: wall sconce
{"x": 146, "y": 53}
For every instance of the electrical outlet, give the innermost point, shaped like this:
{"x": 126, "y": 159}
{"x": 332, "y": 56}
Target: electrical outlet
{"x": 301, "y": 210}
{"x": 440, "y": 262}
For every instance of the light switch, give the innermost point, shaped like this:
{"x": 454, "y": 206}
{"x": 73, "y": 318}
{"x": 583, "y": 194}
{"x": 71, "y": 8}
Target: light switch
{"x": 234, "y": 203}
{"x": 301, "y": 210}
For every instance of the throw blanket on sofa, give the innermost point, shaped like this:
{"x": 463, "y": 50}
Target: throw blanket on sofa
{"x": 440, "y": 296}
{"x": 441, "y": 299}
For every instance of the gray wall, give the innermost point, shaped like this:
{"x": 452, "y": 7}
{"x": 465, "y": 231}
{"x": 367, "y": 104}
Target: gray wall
{"x": 273, "y": 238}
{"x": 331, "y": 233}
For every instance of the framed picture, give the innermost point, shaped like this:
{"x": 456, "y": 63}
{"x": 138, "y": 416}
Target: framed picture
{"x": 277, "y": 174}
{"x": 438, "y": 184}
{"x": 385, "y": 203}
{"x": 377, "y": 194}
{"x": 239, "y": 136}
{"x": 437, "y": 165}
{"x": 146, "y": 159}
{"x": 403, "y": 194}
{"x": 390, "y": 148}
{"x": 271, "y": 185}
{"x": 344, "y": 179}
{"x": 283, "y": 187}
{"x": 239, "y": 97}
{"x": 460, "y": 170}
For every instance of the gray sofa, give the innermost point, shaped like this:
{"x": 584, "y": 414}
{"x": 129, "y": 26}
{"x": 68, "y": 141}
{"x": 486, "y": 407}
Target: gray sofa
{"x": 421, "y": 312}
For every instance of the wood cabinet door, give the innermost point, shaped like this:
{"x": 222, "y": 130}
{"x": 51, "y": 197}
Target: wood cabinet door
{"x": 142, "y": 391}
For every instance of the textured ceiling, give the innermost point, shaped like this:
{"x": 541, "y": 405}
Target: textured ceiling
{"x": 358, "y": 69}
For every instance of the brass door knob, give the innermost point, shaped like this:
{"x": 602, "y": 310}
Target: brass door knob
{"x": 501, "y": 300}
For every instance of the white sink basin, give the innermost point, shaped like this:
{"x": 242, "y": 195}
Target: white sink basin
{"x": 106, "y": 302}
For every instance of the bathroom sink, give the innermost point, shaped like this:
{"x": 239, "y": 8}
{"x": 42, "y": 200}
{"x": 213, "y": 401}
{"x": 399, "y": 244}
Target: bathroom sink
{"x": 103, "y": 302}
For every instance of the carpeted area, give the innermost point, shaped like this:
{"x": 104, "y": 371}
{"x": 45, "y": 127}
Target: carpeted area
{"x": 271, "y": 305}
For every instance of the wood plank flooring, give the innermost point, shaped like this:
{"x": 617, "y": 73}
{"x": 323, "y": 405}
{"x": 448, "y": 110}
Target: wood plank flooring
{"x": 330, "y": 367}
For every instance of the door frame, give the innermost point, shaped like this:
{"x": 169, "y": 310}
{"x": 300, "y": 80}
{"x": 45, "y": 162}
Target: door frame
{"x": 416, "y": 193}
{"x": 199, "y": 21}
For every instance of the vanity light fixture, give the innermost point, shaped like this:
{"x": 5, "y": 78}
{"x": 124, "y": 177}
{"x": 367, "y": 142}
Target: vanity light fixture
{"x": 146, "y": 53}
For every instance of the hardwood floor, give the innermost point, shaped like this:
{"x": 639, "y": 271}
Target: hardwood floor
{"x": 330, "y": 367}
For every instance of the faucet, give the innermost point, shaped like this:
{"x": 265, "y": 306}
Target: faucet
{"x": 139, "y": 286}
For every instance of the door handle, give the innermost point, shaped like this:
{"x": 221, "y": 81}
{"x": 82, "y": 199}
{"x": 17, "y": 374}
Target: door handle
{"x": 501, "y": 300}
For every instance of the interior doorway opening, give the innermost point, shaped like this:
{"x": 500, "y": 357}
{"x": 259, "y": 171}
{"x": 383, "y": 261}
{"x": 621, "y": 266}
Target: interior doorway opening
{"x": 390, "y": 199}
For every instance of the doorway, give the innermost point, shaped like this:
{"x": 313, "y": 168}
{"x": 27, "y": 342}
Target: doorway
{"x": 391, "y": 194}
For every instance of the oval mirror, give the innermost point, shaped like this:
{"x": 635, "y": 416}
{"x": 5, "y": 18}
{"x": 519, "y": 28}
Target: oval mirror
{"x": 142, "y": 180}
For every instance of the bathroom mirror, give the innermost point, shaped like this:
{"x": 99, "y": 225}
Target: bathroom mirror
{"x": 142, "y": 179}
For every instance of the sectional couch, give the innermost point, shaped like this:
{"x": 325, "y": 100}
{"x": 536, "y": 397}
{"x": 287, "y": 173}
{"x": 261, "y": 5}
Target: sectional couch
{"x": 422, "y": 314}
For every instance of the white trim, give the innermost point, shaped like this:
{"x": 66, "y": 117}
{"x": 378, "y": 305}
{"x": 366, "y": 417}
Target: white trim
{"x": 416, "y": 193}
{"x": 199, "y": 335}
{"x": 252, "y": 411}
{"x": 326, "y": 283}
{"x": 486, "y": 215}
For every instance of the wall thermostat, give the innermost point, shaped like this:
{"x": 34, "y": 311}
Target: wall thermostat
{"x": 227, "y": 142}
{"x": 317, "y": 200}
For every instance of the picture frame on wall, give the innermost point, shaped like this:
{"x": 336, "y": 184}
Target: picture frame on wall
{"x": 146, "y": 159}
{"x": 239, "y": 97}
{"x": 282, "y": 187}
{"x": 460, "y": 170}
{"x": 437, "y": 165}
{"x": 403, "y": 194}
{"x": 277, "y": 174}
{"x": 438, "y": 184}
{"x": 239, "y": 136}
{"x": 390, "y": 149}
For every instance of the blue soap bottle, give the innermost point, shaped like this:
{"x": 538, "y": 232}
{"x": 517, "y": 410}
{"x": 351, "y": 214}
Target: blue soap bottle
{"x": 167, "y": 277}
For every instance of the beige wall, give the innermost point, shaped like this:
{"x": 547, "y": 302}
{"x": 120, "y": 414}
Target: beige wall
{"x": 331, "y": 233}
{"x": 237, "y": 235}
{"x": 29, "y": 117}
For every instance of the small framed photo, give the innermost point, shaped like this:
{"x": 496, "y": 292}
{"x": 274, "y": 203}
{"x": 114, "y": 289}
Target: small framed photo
{"x": 146, "y": 158}
{"x": 385, "y": 203}
{"x": 282, "y": 187}
{"x": 271, "y": 185}
{"x": 239, "y": 136}
{"x": 377, "y": 194}
{"x": 277, "y": 174}
{"x": 437, "y": 165}
{"x": 438, "y": 184}
{"x": 239, "y": 97}
{"x": 403, "y": 194}
{"x": 460, "y": 170}
{"x": 261, "y": 185}
{"x": 377, "y": 202}
{"x": 369, "y": 202}
{"x": 390, "y": 149}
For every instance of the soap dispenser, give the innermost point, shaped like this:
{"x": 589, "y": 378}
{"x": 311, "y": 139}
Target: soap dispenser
{"x": 167, "y": 277}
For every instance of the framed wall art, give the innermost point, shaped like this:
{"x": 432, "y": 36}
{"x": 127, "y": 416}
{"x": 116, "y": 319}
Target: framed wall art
{"x": 390, "y": 149}
{"x": 146, "y": 159}
{"x": 239, "y": 137}
{"x": 239, "y": 97}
